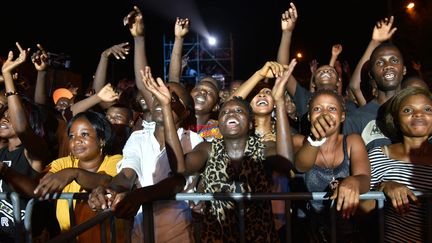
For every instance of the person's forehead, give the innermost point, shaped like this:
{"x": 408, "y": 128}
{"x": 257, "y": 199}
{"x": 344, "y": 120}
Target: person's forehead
{"x": 387, "y": 51}
{"x": 234, "y": 103}
{"x": 117, "y": 110}
{"x": 327, "y": 98}
{"x": 326, "y": 67}
{"x": 207, "y": 84}
{"x": 414, "y": 98}
{"x": 265, "y": 89}
{"x": 82, "y": 122}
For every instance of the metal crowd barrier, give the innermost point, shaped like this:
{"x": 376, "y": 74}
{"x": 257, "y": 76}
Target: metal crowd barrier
{"x": 148, "y": 225}
{"x": 75, "y": 229}
{"x": 15, "y": 199}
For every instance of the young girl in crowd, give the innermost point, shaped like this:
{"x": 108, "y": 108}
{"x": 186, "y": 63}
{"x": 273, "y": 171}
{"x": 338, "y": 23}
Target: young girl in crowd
{"x": 260, "y": 96}
{"x": 333, "y": 163}
{"x": 405, "y": 166}
{"x": 238, "y": 162}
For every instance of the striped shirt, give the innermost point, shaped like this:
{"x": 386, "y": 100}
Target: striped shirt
{"x": 411, "y": 227}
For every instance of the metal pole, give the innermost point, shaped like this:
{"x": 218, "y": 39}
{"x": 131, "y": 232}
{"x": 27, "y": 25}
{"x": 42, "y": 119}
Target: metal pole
{"x": 15, "y": 198}
{"x": 148, "y": 224}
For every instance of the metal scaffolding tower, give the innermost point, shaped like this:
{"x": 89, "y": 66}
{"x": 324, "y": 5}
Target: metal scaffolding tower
{"x": 203, "y": 60}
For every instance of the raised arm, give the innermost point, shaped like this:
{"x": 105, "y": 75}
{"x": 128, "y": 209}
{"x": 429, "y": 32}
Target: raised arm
{"x": 35, "y": 145}
{"x": 181, "y": 28}
{"x": 40, "y": 61}
{"x": 163, "y": 95}
{"x": 106, "y": 94}
{"x": 336, "y": 51}
{"x": 135, "y": 22}
{"x": 196, "y": 159}
{"x": 288, "y": 21}
{"x": 284, "y": 145}
{"x": 119, "y": 51}
{"x": 269, "y": 70}
{"x": 382, "y": 31}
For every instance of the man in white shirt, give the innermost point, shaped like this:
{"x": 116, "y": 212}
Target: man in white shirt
{"x": 145, "y": 166}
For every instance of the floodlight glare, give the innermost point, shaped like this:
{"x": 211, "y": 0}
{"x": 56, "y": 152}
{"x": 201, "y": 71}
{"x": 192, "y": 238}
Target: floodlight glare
{"x": 410, "y": 5}
{"x": 211, "y": 40}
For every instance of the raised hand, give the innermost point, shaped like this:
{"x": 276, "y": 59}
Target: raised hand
{"x": 40, "y": 58}
{"x": 134, "y": 21}
{"x": 157, "y": 88}
{"x": 10, "y": 64}
{"x": 118, "y": 51}
{"x": 107, "y": 94}
{"x": 336, "y": 49}
{"x": 278, "y": 90}
{"x": 272, "y": 70}
{"x": 181, "y": 27}
{"x": 289, "y": 18}
{"x": 313, "y": 65}
{"x": 383, "y": 30}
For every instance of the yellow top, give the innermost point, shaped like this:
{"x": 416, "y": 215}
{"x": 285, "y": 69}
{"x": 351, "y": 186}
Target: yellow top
{"x": 108, "y": 167}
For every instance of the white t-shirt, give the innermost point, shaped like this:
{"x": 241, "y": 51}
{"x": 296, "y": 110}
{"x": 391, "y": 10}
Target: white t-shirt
{"x": 142, "y": 153}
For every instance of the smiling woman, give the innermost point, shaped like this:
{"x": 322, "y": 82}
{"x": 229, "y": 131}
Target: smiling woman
{"x": 403, "y": 167}
{"x": 87, "y": 167}
{"x": 238, "y": 162}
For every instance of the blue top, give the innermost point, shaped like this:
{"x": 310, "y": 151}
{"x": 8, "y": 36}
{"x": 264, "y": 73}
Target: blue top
{"x": 318, "y": 178}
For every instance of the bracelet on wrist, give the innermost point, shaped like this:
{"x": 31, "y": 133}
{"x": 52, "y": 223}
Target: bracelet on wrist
{"x": 316, "y": 143}
{"x": 10, "y": 93}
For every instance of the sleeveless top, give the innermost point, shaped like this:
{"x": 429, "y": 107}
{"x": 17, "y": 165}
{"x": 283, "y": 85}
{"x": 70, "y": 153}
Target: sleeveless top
{"x": 318, "y": 178}
{"x": 221, "y": 221}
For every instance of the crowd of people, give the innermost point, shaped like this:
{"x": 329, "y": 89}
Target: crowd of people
{"x": 146, "y": 140}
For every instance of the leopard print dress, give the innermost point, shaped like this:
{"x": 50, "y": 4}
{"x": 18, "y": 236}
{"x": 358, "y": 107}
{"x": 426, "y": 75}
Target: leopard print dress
{"x": 221, "y": 222}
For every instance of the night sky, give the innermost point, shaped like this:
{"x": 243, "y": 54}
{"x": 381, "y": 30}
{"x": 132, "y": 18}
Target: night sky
{"x": 83, "y": 31}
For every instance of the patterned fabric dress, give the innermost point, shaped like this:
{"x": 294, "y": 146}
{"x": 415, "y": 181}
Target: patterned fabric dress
{"x": 221, "y": 221}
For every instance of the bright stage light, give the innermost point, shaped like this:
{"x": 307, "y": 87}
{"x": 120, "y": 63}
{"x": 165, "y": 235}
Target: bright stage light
{"x": 211, "y": 40}
{"x": 410, "y": 5}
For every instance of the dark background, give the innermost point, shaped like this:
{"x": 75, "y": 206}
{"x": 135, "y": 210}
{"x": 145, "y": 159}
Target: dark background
{"x": 83, "y": 29}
